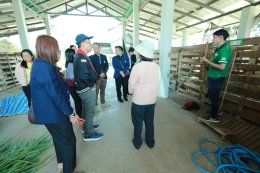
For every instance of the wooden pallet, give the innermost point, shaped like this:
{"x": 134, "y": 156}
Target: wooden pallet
{"x": 224, "y": 133}
{"x": 234, "y": 129}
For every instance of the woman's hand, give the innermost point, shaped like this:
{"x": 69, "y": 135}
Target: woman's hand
{"x": 74, "y": 118}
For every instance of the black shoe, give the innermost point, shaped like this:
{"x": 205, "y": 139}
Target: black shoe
{"x": 137, "y": 146}
{"x": 125, "y": 98}
{"x": 150, "y": 145}
{"x": 120, "y": 100}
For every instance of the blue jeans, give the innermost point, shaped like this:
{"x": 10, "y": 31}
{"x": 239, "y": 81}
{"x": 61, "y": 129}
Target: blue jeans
{"x": 88, "y": 99}
{"x": 140, "y": 114}
{"x": 214, "y": 88}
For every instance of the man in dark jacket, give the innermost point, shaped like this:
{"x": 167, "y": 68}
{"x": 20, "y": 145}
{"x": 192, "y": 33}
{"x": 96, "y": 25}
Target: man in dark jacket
{"x": 85, "y": 79}
{"x": 132, "y": 57}
{"x": 121, "y": 65}
{"x": 132, "y": 61}
{"x": 101, "y": 65}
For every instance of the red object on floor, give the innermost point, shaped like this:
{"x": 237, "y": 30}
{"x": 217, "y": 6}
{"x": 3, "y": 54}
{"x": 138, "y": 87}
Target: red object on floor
{"x": 186, "y": 105}
{"x": 81, "y": 121}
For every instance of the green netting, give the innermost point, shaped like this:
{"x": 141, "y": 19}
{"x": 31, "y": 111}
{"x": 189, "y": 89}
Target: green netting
{"x": 31, "y": 4}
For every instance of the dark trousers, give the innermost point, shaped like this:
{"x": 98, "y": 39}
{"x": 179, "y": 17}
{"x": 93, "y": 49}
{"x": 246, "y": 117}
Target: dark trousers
{"x": 214, "y": 88}
{"x": 127, "y": 79}
{"x": 121, "y": 82}
{"x": 77, "y": 100}
{"x": 140, "y": 114}
{"x": 64, "y": 141}
{"x": 27, "y": 92}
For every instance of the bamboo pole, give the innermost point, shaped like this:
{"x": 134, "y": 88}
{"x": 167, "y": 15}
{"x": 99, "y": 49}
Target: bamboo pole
{"x": 230, "y": 72}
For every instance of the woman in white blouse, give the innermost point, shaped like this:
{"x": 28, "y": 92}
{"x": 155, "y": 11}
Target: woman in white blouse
{"x": 23, "y": 72}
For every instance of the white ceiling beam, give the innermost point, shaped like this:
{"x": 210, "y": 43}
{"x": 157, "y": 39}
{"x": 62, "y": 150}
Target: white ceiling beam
{"x": 211, "y": 8}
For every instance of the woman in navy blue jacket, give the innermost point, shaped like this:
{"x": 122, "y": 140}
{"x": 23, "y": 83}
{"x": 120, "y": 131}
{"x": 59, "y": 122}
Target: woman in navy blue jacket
{"x": 50, "y": 101}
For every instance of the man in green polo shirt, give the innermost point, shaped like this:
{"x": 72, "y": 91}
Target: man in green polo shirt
{"x": 218, "y": 71}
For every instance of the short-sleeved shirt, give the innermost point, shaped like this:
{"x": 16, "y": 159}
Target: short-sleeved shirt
{"x": 28, "y": 71}
{"x": 222, "y": 55}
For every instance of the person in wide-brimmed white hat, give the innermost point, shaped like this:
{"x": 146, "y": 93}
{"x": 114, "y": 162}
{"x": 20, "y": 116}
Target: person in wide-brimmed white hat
{"x": 144, "y": 85}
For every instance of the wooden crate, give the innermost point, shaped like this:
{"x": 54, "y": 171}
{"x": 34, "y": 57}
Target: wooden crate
{"x": 8, "y": 62}
{"x": 189, "y": 76}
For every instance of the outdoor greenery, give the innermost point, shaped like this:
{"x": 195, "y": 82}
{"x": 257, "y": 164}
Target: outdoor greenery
{"x": 7, "y": 46}
{"x": 23, "y": 156}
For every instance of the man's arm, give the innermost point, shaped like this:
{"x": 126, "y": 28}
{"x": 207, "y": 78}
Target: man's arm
{"x": 106, "y": 66}
{"x": 220, "y": 66}
{"x": 126, "y": 63}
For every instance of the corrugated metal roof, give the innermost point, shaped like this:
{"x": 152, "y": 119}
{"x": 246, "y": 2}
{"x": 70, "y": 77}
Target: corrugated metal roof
{"x": 188, "y": 13}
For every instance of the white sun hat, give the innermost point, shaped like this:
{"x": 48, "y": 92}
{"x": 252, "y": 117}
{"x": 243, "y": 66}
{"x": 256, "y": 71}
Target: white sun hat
{"x": 146, "y": 48}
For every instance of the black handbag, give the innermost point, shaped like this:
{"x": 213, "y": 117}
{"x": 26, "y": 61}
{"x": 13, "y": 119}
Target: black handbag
{"x": 31, "y": 117}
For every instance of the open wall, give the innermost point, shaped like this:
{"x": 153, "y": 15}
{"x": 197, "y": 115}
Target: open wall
{"x": 7, "y": 68}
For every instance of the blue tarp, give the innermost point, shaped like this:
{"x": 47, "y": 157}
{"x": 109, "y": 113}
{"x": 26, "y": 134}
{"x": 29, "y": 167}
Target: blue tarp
{"x": 14, "y": 105}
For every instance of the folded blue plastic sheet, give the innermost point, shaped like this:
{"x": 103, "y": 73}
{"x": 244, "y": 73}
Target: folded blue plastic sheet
{"x": 14, "y": 105}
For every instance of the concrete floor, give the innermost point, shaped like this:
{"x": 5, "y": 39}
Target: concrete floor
{"x": 176, "y": 135}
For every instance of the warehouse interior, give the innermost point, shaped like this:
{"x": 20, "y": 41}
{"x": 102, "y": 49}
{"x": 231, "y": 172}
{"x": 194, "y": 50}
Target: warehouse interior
{"x": 184, "y": 79}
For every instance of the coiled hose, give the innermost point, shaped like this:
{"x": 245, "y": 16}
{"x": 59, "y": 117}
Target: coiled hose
{"x": 228, "y": 159}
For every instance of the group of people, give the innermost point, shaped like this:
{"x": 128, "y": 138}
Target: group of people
{"x": 47, "y": 89}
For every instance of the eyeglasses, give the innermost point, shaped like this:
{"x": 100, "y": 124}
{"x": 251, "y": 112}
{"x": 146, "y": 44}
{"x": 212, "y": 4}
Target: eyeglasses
{"x": 86, "y": 41}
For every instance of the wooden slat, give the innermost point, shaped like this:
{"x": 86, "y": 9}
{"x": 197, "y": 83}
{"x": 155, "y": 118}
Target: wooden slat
{"x": 247, "y": 67}
{"x": 254, "y": 93}
{"x": 190, "y": 79}
{"x": 239, "y": 61}
{"x": 194, "y": 48}
{"x": 249, "y": 41}
{"x": 251, "y": 54}
{"x": 192, "y": 54}
{"x": 188, "y": 68}
{"x": 191, "y": 94}
{"x": 189, "y": 60}
{"x": 193, "y": 74}
{"x": 249, "y": 114}
{"x": 246, "y": 102}
{"x": 224, "y": 132}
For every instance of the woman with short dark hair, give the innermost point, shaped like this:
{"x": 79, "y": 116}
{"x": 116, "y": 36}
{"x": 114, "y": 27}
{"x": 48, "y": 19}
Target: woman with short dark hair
{"x": 23, "y": 72}
{"x": 69, "y": 75}
{"x": 50, "y": 101}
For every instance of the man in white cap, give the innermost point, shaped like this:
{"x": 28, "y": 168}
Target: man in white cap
{"x": 144, "y": 85}
{"x": 85, "y": 80}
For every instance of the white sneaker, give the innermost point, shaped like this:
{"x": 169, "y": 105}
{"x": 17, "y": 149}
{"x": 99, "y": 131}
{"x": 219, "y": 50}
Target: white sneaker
{"x": 105, "y": 105}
